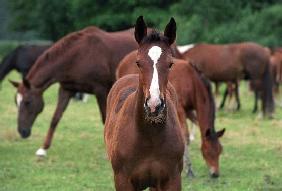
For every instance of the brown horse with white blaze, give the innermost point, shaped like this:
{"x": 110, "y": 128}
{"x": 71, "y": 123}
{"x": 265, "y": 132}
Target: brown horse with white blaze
{"x": 232, "y": 62}
{"x": 143, "y": 135}
{"x": 83, "y": 61}
{"x": 194, "y": 94}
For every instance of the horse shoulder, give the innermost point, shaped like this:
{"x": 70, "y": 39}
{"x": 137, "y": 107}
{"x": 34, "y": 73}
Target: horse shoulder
{"x": 117, "y": 98}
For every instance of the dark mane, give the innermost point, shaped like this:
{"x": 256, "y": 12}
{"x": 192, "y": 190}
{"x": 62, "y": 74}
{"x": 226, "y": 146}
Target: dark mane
{"x": 275, "y": 49}
{"x": 155, "y": 36}
{"x": 207, "y": 85}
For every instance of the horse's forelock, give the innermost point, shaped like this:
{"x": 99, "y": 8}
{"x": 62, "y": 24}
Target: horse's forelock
{"x": 155, "y": 36}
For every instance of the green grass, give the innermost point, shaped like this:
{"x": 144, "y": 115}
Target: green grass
{"x": 252, "y": 157}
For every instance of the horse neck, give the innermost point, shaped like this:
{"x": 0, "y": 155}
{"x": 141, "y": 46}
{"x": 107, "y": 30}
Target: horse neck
{"x": 43, "y": 74}
{"x": 205, "y": 107}
{"x": 7, "y": 65}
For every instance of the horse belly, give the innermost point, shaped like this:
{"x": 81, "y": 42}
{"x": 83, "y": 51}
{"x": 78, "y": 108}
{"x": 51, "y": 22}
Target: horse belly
{"x": 225, "y": 74}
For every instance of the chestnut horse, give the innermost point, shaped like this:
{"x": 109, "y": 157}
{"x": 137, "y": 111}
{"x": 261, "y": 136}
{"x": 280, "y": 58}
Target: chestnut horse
{"x": 194, "y": 94}
{"x": 143, "y": 134}
{"x": 229, "y": 63}
{"x": 230, "y": 87}
{"x": 82, "y": 61}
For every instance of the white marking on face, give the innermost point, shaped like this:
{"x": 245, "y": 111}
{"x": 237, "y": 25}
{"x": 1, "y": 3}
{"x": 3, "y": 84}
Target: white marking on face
{"x": 154, "y": 53}
{"x": 19, "y": 99}
{"x": 185, "y": 48}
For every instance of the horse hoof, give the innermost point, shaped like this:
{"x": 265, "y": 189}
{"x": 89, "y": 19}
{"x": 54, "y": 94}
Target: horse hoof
{"x": 41, "y": 152}
{"x": 191, "y": 138}
{"x": 190, "y": 174}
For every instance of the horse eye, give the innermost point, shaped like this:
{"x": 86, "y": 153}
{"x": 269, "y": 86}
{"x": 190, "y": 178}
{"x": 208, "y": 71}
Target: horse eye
{"x": 170, "y": 65}
{"x": 138, "y": 64}
{"x": 27, "y": 102}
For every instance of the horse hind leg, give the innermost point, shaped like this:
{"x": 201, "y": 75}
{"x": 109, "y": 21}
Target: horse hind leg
{"x": 255, "y": 109}
{"x": 63, "y": 101}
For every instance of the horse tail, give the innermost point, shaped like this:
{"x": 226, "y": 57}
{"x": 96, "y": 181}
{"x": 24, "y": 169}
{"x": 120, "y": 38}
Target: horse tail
{"x": 267, "y": 94}
{"x": 7, "y": 64}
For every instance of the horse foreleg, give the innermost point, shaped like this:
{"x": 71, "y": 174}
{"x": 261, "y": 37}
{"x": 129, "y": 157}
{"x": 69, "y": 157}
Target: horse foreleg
{"x": 187, "y": 162}
{"x": 237, "y": 96}
{"x": 102, "y": 101}
{"x": 63, "y": 100}
{"x": 185, "y": 130}
{"x": 224, "y": 98}
{"x": 216, "y": 88}
{"x": 256, "y": 102}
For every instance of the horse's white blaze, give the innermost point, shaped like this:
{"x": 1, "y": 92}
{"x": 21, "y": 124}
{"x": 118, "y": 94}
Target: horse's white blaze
{"x": 19, "y": 99}
{"x": 185, "y": 48}
{"x": 154, "y": 53}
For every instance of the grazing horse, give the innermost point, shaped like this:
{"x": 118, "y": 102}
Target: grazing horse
{"x": 83, "y": 61}
{"x": 194, "y": 94}
{"x": 21, "y": 59}
{"x": 230, "y": 87}
{"x": 143, "y": 135}
{"x": 229, "y": 63}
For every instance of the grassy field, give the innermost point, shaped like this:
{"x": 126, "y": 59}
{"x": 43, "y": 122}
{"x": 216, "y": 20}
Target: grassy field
{"x": 252, "y": 157}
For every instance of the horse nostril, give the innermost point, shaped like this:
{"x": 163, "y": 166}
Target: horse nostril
{"x": 214, "y": 172}
{"x": 215, "y": 175}
{"x": 160, "y": 106}
{"x": 146, "y": 102}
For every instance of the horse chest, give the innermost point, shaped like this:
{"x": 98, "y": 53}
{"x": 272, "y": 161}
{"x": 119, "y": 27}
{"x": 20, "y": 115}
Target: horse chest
{"x": 136, "y": 153}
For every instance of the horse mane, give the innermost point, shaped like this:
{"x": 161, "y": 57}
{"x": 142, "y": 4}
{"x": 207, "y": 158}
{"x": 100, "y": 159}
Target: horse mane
{"x": 274, "y": 49}
{"x": 207, "y": 85}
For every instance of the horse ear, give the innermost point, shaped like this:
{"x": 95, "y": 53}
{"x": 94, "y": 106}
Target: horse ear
{"x": 220, "y": 133}
{"x": 208, "y": 132}
{"x": 26, "y": 83}
{"x": 14, "y": 83}
{"x": 140, "y": 29}
{"x": 170, "y": 31}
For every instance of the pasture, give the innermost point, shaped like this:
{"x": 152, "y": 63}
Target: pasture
{"x": 251, "y": 160}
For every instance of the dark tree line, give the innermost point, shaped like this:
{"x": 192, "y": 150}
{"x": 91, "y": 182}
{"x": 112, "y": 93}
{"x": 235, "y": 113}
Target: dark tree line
{"x": 220, "y": 21}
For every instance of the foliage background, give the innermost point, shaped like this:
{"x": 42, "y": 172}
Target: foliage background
{"x": 77, "y": 161}
{"x": 220, "y": 21}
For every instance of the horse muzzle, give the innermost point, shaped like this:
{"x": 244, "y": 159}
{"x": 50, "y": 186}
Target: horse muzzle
{"x": 214, "y": 172}
{"x": 154, "y": 107}
{"x": 25, "y": 133}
